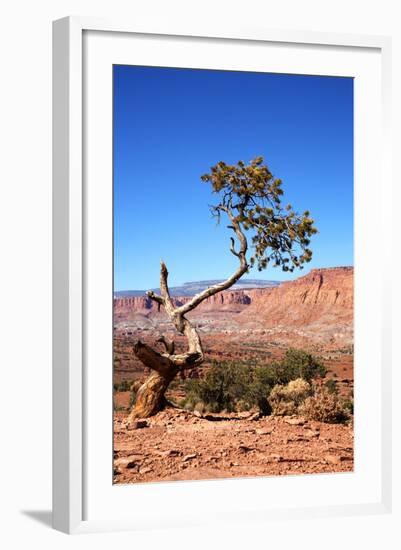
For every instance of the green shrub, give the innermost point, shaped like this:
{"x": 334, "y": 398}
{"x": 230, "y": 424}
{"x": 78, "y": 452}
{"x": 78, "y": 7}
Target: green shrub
{"x": 331, "y": 386}
{"x": 233, "y": 386}
{"x": 259, "y": 389}
{"x": 220, "y": 389}
{"x": 298, "y": 364}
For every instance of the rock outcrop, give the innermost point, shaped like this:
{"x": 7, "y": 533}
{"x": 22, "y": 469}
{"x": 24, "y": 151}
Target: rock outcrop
{"x": 322, "y": 295}
{"x": 321, "y": 301}
{"x": 125, "y": 307}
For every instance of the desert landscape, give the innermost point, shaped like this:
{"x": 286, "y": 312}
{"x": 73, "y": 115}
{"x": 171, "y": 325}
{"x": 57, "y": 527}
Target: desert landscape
{"x": 244, "y": 329}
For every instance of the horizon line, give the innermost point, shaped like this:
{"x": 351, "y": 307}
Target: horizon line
{"x": 239, "y": 280}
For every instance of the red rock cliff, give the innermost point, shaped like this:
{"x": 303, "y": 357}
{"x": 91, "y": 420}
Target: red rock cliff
{"x": 324, "y": 295}
{"x": 142, "y": 304}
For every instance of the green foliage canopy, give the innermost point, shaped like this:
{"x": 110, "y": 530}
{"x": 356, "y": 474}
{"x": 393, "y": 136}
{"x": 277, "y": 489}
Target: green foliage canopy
{"x": 251, "y": 196}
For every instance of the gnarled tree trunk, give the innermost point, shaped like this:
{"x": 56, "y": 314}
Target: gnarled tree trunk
{"x": 150, "y": 397}
{"x": 165, "y": 366}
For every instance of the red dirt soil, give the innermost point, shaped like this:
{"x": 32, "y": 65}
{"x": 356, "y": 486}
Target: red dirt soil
{"x": 177, "y": 445}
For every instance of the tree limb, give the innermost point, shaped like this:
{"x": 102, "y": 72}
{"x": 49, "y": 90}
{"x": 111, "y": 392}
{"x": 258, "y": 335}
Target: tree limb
{"x": 160, "y": 362}
{"x": 168, "y": 344}
{"x": 155, "y": 297}
{"x": 232, "y": 249}
{"x": 167, "y": 301}
{"x": 187, "y": 360}
{"x": 243, "y": 268}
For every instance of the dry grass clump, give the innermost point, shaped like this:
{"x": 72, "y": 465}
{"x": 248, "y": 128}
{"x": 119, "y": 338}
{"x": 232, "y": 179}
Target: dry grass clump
{"x": 323, "y": 406}
{"x": 286, "y": 399}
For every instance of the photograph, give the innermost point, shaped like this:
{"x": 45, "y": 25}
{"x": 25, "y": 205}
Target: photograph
{"x": 200, "y": 242}
{"x": 233, "y": 277}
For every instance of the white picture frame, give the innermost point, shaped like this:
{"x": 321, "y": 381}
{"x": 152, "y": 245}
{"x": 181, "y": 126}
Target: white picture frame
{"x": 71, "y": 308}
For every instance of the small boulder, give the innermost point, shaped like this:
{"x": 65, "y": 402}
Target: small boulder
{"x": 127, "y": 461}
{"x": 137, "y": 424}
{"x": 189, "y": 457}
{"x": 170, "y": 452}
{"x": 295, "y": 421}
{"x": 332, "y": 459}
{"x": 276, "y": 457}
{"x": 245, "y": 448}
{"x": 243, "y": 414}
{"x": 145, "y": 470}
{"x": 312, "y": 433}
{"x": 264, "y": 431}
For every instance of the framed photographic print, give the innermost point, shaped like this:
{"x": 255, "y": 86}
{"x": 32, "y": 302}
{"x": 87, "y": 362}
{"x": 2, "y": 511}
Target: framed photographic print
{"x": 220, "y": 330}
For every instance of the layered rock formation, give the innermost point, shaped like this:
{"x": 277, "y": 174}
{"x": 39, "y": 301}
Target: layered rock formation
{"x": 124, "y": 308}
{"x": 319, "y": 302}
{"x": 323, "y": 294}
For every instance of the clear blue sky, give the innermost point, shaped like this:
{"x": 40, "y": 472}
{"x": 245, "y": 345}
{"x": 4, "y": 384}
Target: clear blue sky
{"x": 172, "y": 125}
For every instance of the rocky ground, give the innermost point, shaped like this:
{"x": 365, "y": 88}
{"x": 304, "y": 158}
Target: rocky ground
{"x": 248, "y": 327}
{"x": 178, "y": 445}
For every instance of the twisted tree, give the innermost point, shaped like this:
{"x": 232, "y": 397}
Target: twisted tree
{"x": 249, "y": 197}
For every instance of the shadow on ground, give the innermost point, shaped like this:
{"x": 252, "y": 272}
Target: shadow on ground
{"x": 41, "y": 516}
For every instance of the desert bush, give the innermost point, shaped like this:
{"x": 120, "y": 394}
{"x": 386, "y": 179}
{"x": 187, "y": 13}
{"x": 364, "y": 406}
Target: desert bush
{"x": 233, "y": 386}
{"x": 298, "y": 364}
{"x": 259, "y": 388}
{"x": 242, "y": 405}
{"x": 331, "y": 385}
{"x": 286, "y": 399}
{"x": 324, "y": 406}
{"x": 348, "y": 403}
{"x": 222, "y": 387}
{"x": 200, "y": 407}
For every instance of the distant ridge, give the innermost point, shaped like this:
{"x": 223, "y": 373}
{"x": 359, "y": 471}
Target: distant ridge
{"x": 316, "y": 307}
{"x": 192, "y": 288}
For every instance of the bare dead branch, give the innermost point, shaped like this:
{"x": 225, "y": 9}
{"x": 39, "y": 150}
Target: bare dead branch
{"x": 168, "y": 344}
{"x": 155, "y": 297}
{"x": 167, "y": 301}
{"x": 186, "y": 360}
